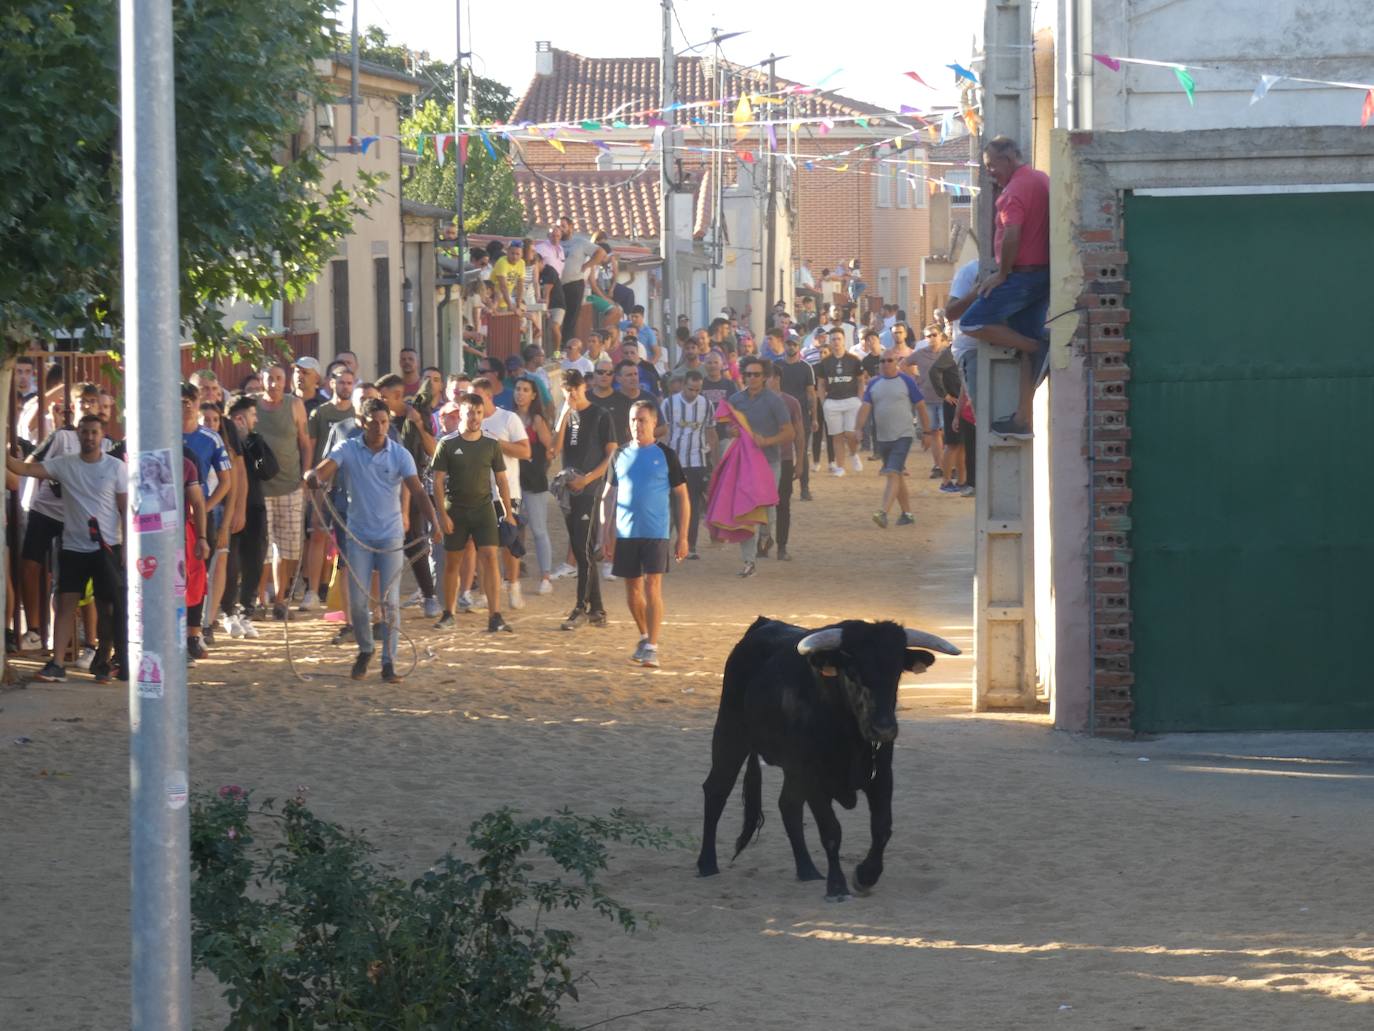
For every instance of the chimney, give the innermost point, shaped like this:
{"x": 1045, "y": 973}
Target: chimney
{"x": 543, "y": 57}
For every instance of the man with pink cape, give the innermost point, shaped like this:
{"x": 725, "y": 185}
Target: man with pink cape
{"x": 742, "y": 504}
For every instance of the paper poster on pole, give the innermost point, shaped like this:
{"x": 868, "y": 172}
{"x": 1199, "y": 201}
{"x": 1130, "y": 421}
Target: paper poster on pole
{"x": 149, "y": 675}
{"x": 153, "y": 492}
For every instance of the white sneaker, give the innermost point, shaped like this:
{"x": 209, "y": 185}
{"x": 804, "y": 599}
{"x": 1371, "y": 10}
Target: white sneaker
{"x": 229, "y": 623}
{"x": 414, "y": 599}
{"x": 857, "y": 464}
{"x": 31, "y": 642}
{"x": 835, "y": 470}
{"x": 310, "y": 602}
{"x": 515, "y": 597}
{"x": 545, "y": 586}
{"x": 815, "y": 467}
{"x": 84, "y": 660}
{"x": 233, "y": 626}
{"x": 564, "y": 570}
{"x": 606, "y": 573}
{"x": 249, "y": 630}
{"x": 465, "y": 602}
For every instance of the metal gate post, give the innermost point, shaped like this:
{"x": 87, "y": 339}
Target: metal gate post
{"x": 1004, "y": 552}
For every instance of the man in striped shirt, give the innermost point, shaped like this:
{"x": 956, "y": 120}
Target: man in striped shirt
{"x": 689, "y": 424}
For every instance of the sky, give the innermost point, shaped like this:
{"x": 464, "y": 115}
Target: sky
{"x": 866, "y": 44}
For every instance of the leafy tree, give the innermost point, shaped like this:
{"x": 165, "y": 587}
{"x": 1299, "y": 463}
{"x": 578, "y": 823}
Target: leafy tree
{"x": 490, "y": 204}
{"x": 254, "y": 221}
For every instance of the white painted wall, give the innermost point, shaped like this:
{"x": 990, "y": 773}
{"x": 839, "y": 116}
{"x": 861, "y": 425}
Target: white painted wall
{"x": 1315, "y": 39}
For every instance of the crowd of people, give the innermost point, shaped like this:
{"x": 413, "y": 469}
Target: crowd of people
{"x": 310, "y": 490}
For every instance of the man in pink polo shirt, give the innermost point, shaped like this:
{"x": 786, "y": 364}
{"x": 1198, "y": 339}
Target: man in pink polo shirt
{"x": 1013, "y": 301}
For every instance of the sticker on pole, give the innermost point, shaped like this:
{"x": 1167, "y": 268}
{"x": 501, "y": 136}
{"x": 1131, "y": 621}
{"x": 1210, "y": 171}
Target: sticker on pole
{"x": 149, "y": 675}
{"x": 153, "y": 492}
{"x": 177, "y": 792}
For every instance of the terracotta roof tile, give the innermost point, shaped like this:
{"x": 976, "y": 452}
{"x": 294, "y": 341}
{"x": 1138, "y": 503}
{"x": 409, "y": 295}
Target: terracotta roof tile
{"x": 623, "y": 202}
{"x": 582, "y": 88}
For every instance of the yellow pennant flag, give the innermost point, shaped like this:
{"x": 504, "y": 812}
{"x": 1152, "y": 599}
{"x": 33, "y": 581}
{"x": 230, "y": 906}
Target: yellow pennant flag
{"x": 744, "y": 114}
{"x": 842, "y": 168}
{"x": 557, "y": 145}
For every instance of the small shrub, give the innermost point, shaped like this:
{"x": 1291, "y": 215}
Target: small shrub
{"x": 304, "y": 930}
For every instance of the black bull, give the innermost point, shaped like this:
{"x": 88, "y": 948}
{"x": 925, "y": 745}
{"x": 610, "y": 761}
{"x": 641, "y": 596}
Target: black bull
{"x": 820, "y": 704}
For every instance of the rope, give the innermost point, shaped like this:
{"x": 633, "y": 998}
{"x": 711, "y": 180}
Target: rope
{"x": 315, "y": 497}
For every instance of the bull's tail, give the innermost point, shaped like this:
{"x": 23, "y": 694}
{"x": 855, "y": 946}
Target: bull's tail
{"x": 753, "y": 803}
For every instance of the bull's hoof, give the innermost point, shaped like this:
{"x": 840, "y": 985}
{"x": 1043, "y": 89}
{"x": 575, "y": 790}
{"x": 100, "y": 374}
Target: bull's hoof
{"x": 810, "y": 875}
{"x": 707, "y": 869}
{"x": 841, "y": 897}
{"x": 867, "y": 876}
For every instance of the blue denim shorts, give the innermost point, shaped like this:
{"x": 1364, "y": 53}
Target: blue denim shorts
{"x": 1022, "y": 302}
{"x": 935, "y": 409}
{"x": 893, "y": 453}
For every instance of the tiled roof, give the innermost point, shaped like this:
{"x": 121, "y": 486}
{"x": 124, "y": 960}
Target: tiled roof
{"x": 957, "y": 148}
{"x": 623, "y": 202}
{"x": 582, "y": 88}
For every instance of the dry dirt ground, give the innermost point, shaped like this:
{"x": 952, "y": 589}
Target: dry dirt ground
{"x": 1035, "y": 879}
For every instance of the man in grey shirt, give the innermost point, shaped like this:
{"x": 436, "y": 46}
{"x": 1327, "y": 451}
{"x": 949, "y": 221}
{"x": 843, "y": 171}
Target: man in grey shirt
{"x": 583, "y": 256}
{"x": 890, "y": 398}
{"x": 771, "y": 427}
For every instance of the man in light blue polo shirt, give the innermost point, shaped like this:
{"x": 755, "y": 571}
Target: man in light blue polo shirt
{"x": 891, "y": 398}
{"x": 644, "y": 477}
{"x": 373, "y": 467}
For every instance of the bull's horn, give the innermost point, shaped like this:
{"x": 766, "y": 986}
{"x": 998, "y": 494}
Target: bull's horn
{"x": 820, "y": 641}
{"x": 921, "y": 639}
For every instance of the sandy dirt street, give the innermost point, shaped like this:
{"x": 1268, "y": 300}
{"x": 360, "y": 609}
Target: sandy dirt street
{"x": 1034, "y": 879}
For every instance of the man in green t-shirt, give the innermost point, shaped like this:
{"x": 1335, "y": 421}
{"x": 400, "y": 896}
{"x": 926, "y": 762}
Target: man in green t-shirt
{"x": 464, "y": 465}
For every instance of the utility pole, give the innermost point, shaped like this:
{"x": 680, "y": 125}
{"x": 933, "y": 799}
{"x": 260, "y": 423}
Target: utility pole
{"x": 159, "y": 837}
{"x": 667, "y": 231}
{"x": 353, "y": 91}
{"x": 771, "y": 225}
{"x": 459, "y": 173}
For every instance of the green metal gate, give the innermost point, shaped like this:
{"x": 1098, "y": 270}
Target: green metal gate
{"x": 1252, "y": 406}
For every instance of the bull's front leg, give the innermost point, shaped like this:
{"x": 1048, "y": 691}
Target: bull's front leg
{"x": 728, "y": 752}
{"x": 836, "y": 887}
{"x": 879, "y": 792}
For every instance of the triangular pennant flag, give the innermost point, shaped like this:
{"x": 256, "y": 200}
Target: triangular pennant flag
{"x": 933, "y": 132}
{"x": 591, "y": 126}
{"x": 836, "y": 72}
{"x": 862, "y": 121}
{"x": 743, "y": 114}
{"x": 772, "y": 137}
{"x": 601, "y": 145}
{"x": 946, "y": 126}
{"x": 618, "y": 124}
{"x": 557, "y": 144}
{"x": 1265, "y": 84}
{"x": 933, "y": 187}
{"x": 463, "y": 148}
{"x": 825, "y": 127}
{"x": 913, "y": 76}
{"x": 960, "y": 72}
{"x": 790, "y": 163}
{"x": 486, "y": 142}
{"x": 1110, "y": 62}
{"x": 657, "y": 123}
{"x": 420, "y": 148}
{"x": 440, "y": 142}
{"x": 897, "y": 142}
{"x": 842, "y": 168}
{"x": 368, "y": 141}
{"x": 745, "y": 156}
{"x": 1186, "y": 81}
{"x": 907, "y": 109}
{"x": 1368, "y": 111}
{"x": 809, "y": 166}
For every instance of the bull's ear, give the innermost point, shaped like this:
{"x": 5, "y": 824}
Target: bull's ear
{"x": 918, "y": 660}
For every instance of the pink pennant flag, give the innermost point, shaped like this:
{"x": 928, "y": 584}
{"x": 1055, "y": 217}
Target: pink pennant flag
{"x": 825, "y": 127}
{"x": 463, "y": 148}
{"x": 657, "y": 123}
{"x": 1110, "y": 62}
{"x": 916, "y": 78}
{"x": 1368, "y": 111}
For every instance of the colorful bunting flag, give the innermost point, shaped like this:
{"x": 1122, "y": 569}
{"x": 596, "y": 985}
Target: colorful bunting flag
{"x": 907, "y": 109}
{"x": 591, "y": 126}
{"x": 1368, "y": 111}
{"x": 618, "y": 124}
{"x": 744, "y": 113}
{"x": 486, "y": 142}
{"x": 557, "y": 144}
{"x": 809, "y": 166}
{"x": 916, "y": 78}
{"x": 825, "y": 127}
{"x": 745, "y": 156}
{"x": 862, "y": 121}
{"x": 1110, "y": 62}
{"x": 823, "y": 81}
{"x": 772, "y": 137}
{"x": 420, "y": 148}
{"x": 657, "y": 123}
{"x": 1262, "y": 90}
{"x": 1186, "y": 81}
{"x": 463, "y": 148}
{"x": 440, "y": 142}
{"x": 368, "y": 141}
{"x": 960, "y": 72}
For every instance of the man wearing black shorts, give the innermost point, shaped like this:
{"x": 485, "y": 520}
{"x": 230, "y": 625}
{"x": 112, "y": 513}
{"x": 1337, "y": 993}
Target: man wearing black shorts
{"x": 95, "y": 490}
{"x": 463, "y": 466}
{"x": 644, "y": 478}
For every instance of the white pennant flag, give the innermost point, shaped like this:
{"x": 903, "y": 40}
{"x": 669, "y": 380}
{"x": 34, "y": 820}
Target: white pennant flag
{"x": 1265, "y": 84}
{"x": 441, "y": 143}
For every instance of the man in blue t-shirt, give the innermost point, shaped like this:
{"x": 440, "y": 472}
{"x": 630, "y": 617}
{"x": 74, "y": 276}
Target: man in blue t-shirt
{"x": 373, "y": 469}
{"x": 645, "y": 477}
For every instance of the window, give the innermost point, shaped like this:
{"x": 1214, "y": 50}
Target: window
{"x": 382, "y": 270}
{"x": 884, "y": 178}
{"x": 920, "y": 186}
{"x": 885, "y": 285}
{"x": 959, "y": 180}
{"x": 903, "y": 288}
{"x": 338, "y": 276}
{"x": 903, "y": 188}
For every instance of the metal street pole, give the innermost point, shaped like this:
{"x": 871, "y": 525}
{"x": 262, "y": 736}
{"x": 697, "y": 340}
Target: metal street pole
{"x": 159, "y": 834}
{"x": 771, "y": 227}
{"x": 459, "y": 173}
{"x": 667, "y": 231}
{"x": 353, "y": 91}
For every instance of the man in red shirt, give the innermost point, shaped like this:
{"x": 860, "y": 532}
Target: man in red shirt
{"x": 1014, "y": 299}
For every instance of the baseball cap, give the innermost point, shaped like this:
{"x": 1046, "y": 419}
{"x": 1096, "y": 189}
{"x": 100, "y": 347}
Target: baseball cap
{"x": 305, "y": 361}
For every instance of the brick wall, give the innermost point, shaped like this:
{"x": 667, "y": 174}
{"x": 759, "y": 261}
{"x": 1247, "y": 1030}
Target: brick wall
{"x": 1102, "y": 339}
